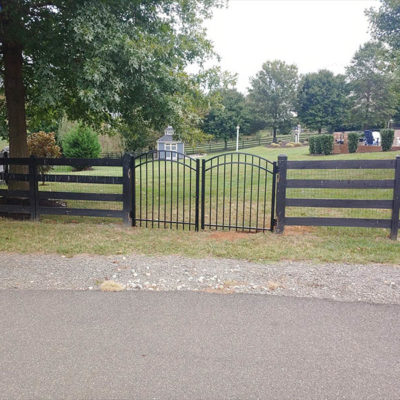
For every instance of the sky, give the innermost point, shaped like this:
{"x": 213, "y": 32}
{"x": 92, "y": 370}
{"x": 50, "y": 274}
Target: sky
{"x": 313, "y": 34}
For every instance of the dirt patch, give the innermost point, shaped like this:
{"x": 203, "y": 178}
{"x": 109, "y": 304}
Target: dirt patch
{"x": 229, "y": 235}
{"x": 297, "y": 230}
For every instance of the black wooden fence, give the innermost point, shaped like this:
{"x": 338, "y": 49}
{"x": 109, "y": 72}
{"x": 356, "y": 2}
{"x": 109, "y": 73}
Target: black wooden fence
{"x": 392, "y": 204}
{"x": 34, "y": 202}
{"x": 239, "y": 189}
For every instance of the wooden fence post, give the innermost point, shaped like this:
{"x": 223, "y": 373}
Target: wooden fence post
{"x": 396, "y": 201}
{"x": 33, "y": 189}
{"x": 127, "y": 189}
{"x": 281, "y": 194}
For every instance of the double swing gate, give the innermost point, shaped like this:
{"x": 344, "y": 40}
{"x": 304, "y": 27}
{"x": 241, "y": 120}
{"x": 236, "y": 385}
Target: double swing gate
{"x": 233, "y": 191}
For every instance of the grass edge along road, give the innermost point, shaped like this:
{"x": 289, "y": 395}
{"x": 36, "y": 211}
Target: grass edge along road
{"x": 345, "y": 245}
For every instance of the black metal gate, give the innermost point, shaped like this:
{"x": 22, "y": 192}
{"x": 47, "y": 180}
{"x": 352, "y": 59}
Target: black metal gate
{"x": 166, "y": 190}
{"x": 237, "y": 191}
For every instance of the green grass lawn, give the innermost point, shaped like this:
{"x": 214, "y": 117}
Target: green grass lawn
{"x": 73, "y": 235}
{"x": 314, "y": 244}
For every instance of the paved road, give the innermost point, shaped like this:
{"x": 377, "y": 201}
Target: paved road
{"x": 184, "y": 345}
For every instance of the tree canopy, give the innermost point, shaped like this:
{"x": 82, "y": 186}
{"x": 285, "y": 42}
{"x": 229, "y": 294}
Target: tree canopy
{"x": 273, "y": 94}
{"x": 322, "y": 100}
{"x": 230, "y": 111}
{"x": 385, "y": 23}
{"x": 114, "y": 64}
{"x": 373, "y": 86}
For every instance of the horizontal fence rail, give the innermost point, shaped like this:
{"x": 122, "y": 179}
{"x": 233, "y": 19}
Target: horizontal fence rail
{"x": 283, "y": 201}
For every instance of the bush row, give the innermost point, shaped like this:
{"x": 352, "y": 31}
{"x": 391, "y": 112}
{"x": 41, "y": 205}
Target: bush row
{"x": 321, "y": 144}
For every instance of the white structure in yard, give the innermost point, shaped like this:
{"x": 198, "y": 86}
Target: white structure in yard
{"x": 170, "y": 146}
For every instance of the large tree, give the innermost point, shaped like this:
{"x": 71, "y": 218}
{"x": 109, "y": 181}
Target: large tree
{"x": 373, "y": 86}
{"x": 322, "y": 100}
{"x": 110, "y": 63}
{"x": 273, "y": 94}
{"x": 225, "y": 115}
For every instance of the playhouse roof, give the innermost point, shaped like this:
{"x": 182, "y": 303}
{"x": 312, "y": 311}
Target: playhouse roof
{"x": 168, "y": 138}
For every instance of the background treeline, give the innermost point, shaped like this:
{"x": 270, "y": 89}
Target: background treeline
{"x": 127, "y": 76}
{"x": 367, "y": 96}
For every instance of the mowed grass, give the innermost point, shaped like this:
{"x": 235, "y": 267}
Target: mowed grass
{"x": 75, "y": 235}
{"x": 297, "y": 244}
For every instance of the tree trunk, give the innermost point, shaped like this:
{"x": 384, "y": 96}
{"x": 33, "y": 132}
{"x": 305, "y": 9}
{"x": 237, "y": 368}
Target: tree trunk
{"x": 15, "y": 102}
{"x": 274, "y": 135}
{"x": 319, "y": 131}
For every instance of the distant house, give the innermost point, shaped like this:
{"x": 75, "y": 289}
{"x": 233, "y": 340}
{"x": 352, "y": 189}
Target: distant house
{"x": 170, "y": 149}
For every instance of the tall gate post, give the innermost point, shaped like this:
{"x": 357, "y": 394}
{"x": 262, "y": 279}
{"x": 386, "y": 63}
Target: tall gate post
{"x": 133, "y": 186}
{"x": 396, "y": 201}
{"x": 273, "y": 197}
{"x": 127, "y": 189}
{"x": 281, "y": 194}
{"x": 196, "y": 221}
{"x": 203, "y": 189}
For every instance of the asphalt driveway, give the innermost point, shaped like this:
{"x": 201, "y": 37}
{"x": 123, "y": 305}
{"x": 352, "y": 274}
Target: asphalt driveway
{"x": 185, "y": 345}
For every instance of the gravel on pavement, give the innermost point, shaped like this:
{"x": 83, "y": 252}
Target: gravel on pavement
{"x": 373, "y": 283}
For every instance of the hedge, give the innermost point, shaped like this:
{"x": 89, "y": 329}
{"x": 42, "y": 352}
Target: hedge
{"x": 321, "y": 144}
{"x": 311, "y": 143}
{"x": 387, "y": 136}
{"x": 353, "y": 142}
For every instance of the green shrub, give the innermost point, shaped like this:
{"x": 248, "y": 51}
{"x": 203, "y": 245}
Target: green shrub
{"x": 81, "y": 142}
{"x": 387, "y": 136}
{"x": 353, "y": 142}
{"x": 327, "y": 144}
{"x": 311, "y": 143}
{"x": 321, "y": 144}
{"x": 318, "y": 144}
